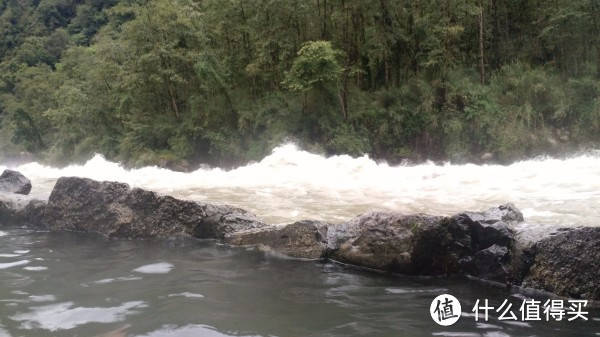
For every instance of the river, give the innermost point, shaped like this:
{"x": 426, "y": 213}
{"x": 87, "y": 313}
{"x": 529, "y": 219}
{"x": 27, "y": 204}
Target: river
{"x": 291, "y": 184}
{"x": 69, "y": 284}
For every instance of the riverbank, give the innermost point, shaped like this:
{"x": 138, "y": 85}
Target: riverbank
{"x": 555, "y": 145}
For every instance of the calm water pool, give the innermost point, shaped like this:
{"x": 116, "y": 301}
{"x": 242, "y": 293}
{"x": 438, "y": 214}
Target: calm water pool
{"x": 69, "y": 284}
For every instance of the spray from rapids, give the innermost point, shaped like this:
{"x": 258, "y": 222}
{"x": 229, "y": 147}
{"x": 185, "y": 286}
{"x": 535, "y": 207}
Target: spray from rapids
{"x": 291, "y": 184}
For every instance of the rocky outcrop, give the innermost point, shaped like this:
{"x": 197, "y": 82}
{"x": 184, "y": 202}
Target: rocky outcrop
{"x": 16, "y": 209}
{"x": 14, "y": 182}
{"x": 303, "y": 239}
{"x": 394, "y": 242}
{"x": 484, "y": 242}
{"x": 566, "y": 263}
{"x": 494, "y": 245}
{"x": 116, "y": 210}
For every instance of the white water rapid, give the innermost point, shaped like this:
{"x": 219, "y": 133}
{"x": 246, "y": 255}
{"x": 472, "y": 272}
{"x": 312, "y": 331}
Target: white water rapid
{"x": 291, "y": 184}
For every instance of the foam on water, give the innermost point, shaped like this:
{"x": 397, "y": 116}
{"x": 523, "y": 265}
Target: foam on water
{"x": 156, "y": 268}
{"x": 65, "y": 316}
{"x": 292, "y": 184}
{"x": 191, "y": 330}
{"x": 188, "y": 295}
{"x": 13, "y": 264}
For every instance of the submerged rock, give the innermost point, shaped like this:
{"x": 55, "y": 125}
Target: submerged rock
{"x": 303, "y": 239}
{"x": 395, "y": 242}
{"x": 14, "y": 182}
{"x": 116, "y": 210}
{"x": 566, "y": 263}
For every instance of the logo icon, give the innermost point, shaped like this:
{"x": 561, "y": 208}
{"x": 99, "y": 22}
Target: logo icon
{"x": 445, "y": 309}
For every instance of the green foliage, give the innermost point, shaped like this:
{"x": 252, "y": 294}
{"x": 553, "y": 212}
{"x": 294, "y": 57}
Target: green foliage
{"x": 224, "y": 81}
{"x": 315, "y": 66}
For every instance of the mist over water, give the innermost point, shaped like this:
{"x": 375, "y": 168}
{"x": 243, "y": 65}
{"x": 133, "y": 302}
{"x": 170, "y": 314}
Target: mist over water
{"x": 291, "y": 184}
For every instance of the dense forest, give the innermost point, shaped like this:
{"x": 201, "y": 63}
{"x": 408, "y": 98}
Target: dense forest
{"x": 224, "y": 81}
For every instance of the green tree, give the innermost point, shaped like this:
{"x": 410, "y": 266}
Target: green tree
{"x": 316, "y": 67}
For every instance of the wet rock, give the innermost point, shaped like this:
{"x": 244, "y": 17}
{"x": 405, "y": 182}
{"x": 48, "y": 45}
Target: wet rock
{"x": 480, "y": 230}
{"x": 31, "y": 215}
{"x": 491, "y": 264}
{"x": 394, "y": 242}
{"x": 526, "y": 236}
{"x": 116, "y": 210}
{"x": 303, "y": 239}
{"x": 9, "y": 204}
{"x": 223, "y": 220}
{"x": 567, "y": 263}
{"x": 19, "y": 210}
{"x": 14, "y": 182}
{"x": 484, "y": 242}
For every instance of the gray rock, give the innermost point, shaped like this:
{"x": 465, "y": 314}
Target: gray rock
{"x": 567, "y": 263}
{"x": 526, "y": 236}
{"x": 19, "y": 210}
{"x": 116, "y": 210}
{"x": 223, "y": 220}
{"x": 9, "y": 204}
{"x": 31, "y": 215}
{"x": 481, "y": 230}
{"x": 492, "y": 264}
{"x": 14, "y": 182}
{"x": 484, "y": 242}
{"x": 303, "y": 239}
{"x": 394, "y": 242}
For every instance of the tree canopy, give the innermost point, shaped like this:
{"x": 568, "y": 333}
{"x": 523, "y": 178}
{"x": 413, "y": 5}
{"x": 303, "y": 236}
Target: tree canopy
{"x": 223, "y": 81}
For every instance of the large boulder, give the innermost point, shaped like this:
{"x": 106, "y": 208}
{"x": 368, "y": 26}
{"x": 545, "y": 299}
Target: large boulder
{"x": 302, "y": 239}
{"x": 526, "y": 236}
{"x": 484, "y": 242}
{"x": 491, "y": 264}
{"x": 14, "y": 182}
{"x": 394, "y": 242}
{"x": 481, "y": 230}
{"x": 566, "y": 262}
{"x": 116, "y": 210}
